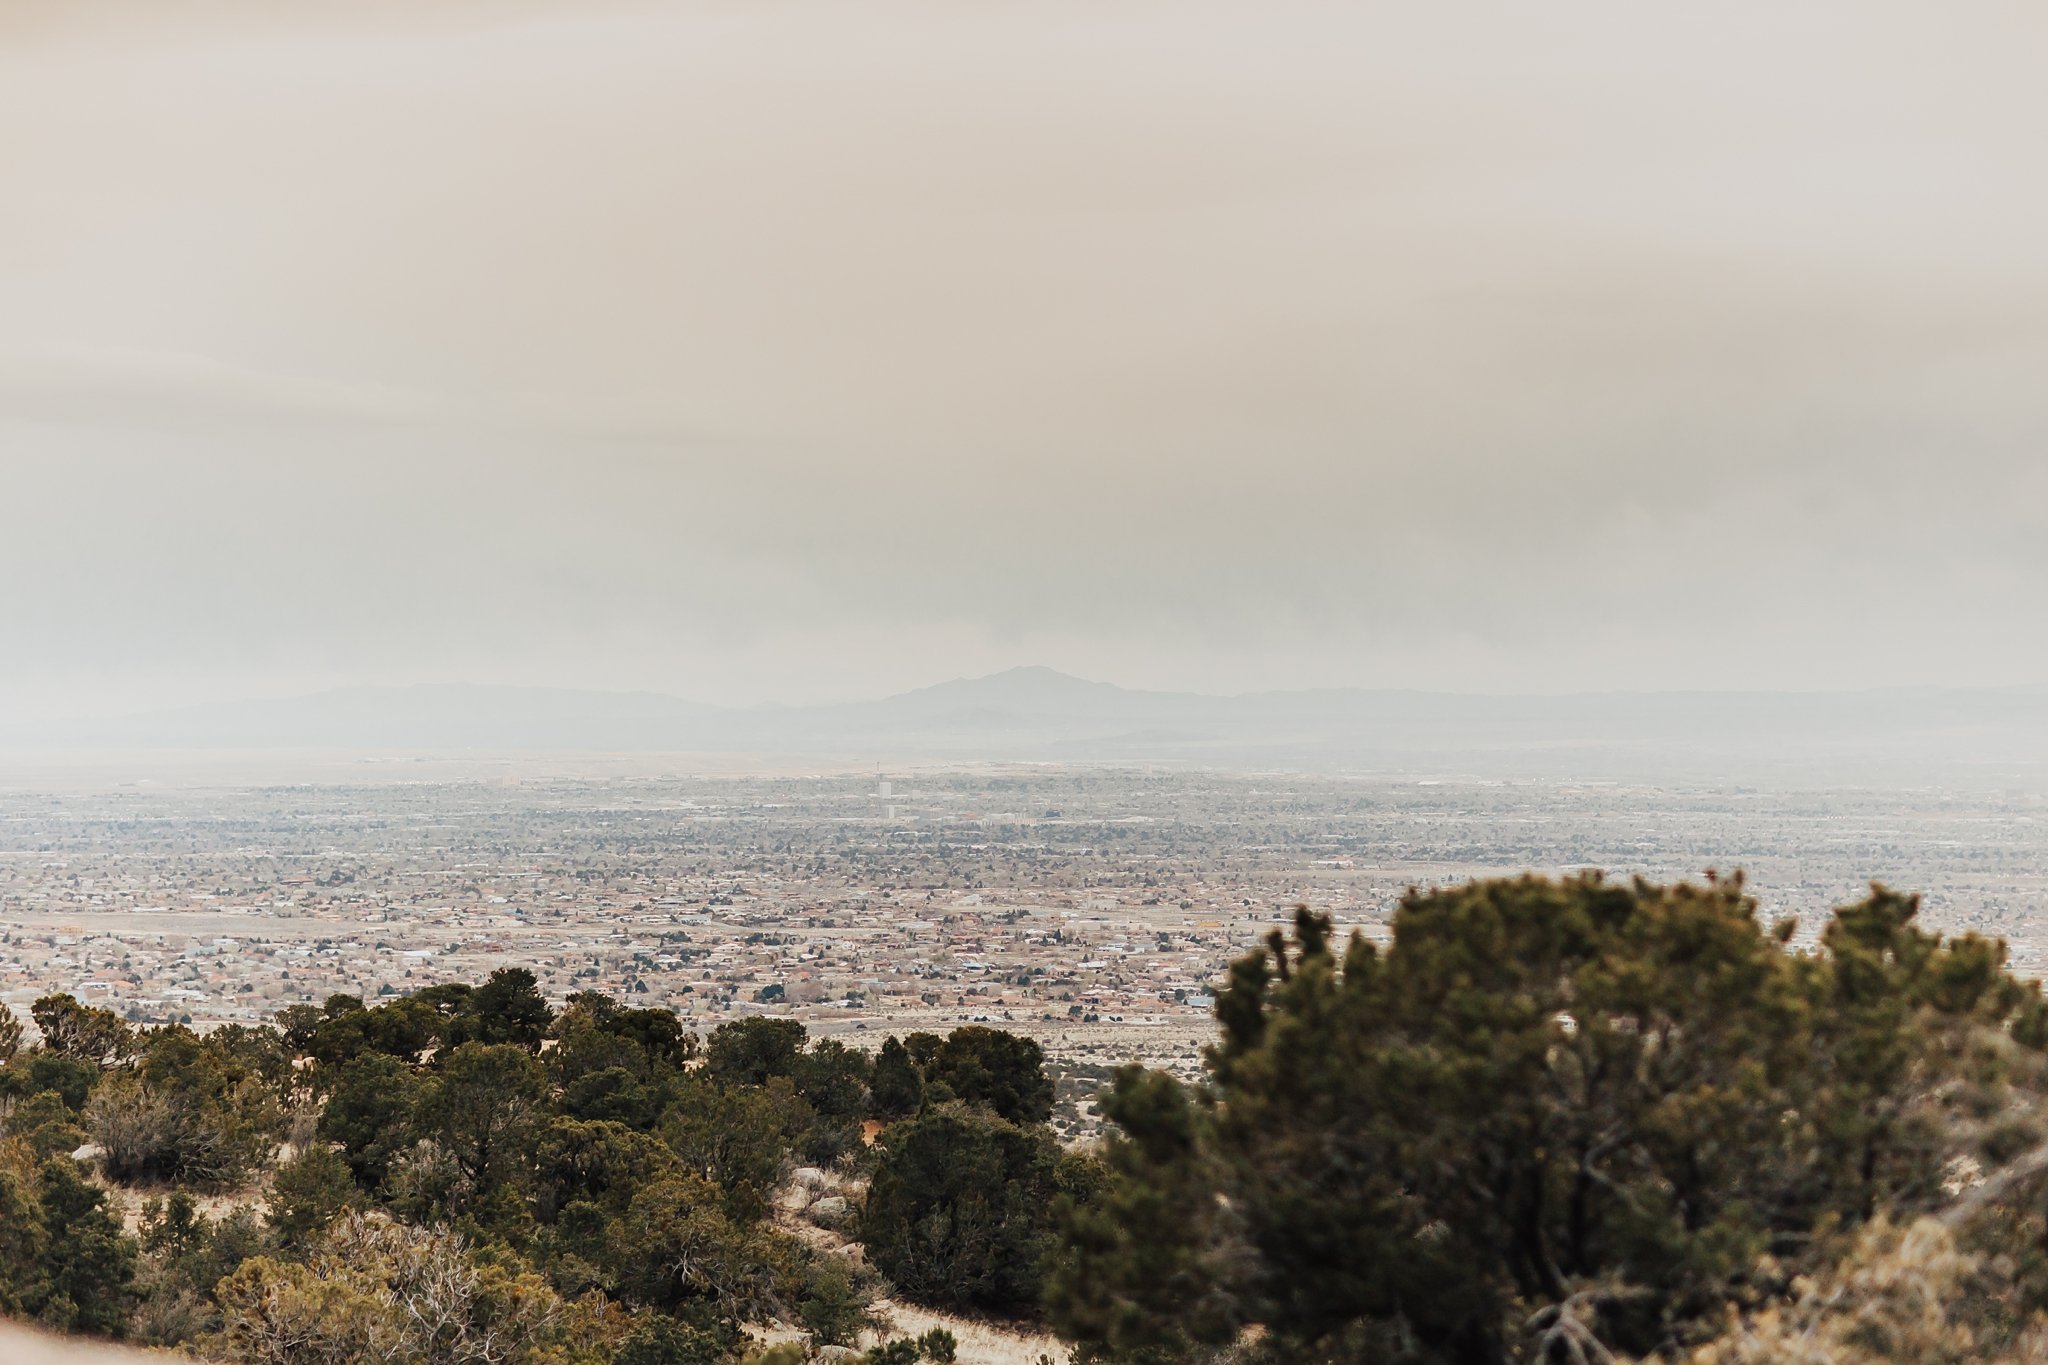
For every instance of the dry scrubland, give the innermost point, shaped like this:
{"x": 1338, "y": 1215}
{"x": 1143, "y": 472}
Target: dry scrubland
{"x": 1089, "y": 907}
{"x": 1095, "y": 911}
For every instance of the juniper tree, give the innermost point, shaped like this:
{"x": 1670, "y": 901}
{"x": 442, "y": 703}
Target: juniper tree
{"x": 1552, "y": 1109}
{"x": 895, "y": 1089}
{"x": 1003, "y": 1070}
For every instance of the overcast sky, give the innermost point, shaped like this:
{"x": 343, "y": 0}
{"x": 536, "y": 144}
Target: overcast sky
{"x": 786, "y": 351}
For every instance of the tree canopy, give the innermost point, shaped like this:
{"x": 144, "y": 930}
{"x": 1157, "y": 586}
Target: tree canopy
{"x": 1552, "y": 1111}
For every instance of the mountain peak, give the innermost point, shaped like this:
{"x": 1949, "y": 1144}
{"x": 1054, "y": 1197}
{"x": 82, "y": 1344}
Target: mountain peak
{"x": 1038, "y": 675}
{"x": 1026, "y": 683}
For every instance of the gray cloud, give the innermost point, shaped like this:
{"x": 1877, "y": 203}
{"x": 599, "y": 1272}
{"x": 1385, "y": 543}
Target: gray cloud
{"x": 797, "y": 350}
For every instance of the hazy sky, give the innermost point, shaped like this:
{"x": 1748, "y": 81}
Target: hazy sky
{"x": 752, "y": 350}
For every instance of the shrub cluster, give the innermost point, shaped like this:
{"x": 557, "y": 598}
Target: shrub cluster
{"x": 461, "y": 1174}
{"x": 1555, "y": 1120}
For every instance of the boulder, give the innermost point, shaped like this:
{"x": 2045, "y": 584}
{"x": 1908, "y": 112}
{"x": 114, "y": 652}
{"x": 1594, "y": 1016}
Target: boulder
{"x": 833, "y": 1211}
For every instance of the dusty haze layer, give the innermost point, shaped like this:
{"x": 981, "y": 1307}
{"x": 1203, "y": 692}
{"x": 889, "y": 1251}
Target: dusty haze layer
{"x": 811, "y": 351}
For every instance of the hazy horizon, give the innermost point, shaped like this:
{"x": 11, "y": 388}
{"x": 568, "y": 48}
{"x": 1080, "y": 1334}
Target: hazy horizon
{"x": 1055, "y": 676}
{"x": 1995, "y": 740}
{"x": 796, "y": 353}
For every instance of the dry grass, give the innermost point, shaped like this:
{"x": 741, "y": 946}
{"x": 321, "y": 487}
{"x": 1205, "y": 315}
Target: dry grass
{"x": 126, "y": 1202}
{"x": 981, "y": 1343}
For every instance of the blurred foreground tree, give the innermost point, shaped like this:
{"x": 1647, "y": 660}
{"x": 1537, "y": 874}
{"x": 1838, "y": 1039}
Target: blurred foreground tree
{"x": 1558, "y": 1119}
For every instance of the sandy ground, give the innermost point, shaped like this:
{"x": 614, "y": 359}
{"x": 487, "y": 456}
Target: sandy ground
{"x": 980, "y": 1343}
{"x": 21, "y": 1347}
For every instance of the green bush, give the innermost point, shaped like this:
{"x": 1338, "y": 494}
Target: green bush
{"x": 959, "y": 1210}
{"x": 1549, "y": 1103}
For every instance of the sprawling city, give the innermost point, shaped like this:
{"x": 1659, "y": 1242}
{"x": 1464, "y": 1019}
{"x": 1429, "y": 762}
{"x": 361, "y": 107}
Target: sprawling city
{"x": 1093, "y": 908}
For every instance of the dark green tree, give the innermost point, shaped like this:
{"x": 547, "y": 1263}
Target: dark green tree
{"x": 658, "y": 1339}
{"x": 369, "y": 1112}
{"x": 614, "y": 1064}
{"x": 661, "y": 1036}
{"x": 507, "y": 1009}
{"x": 600, "y": 1164}
{"x": 184, "y": 1255}
{"x": 408, "y": 1028}
{"x": 1156, "y": 1223}
{"x": 895, "y": 1087}
{"x": 677, "y": 1248}
{"x": 41, "y": 1070}
{"x": 188, "y": 1112}
{"x": 736, "y": 1137}
{"x": 834, "y": 1309}
{"x": 21, "y": 1244}
{"x": 614, "y": 1094}
{"x": 1003, "y": 1070}
{"x": 1555, "y": 1111}
{"x": 85, "y": 1279}
{"x": 45, "y": 1125}
{"x": 253, "y": 1050}
{"x": 299, "y": 1025}
{"x": 481, "y": 1109}
{"x": 959, "y": 1211}
{"x": 310, "y": 1191}
{"x": 833, "y": 1079}
{"x": 754, "y": 1051}
{"x": 922, "y": 1047}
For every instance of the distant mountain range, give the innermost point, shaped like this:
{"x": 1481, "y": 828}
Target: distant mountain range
{"x": 1037, "y": 714}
